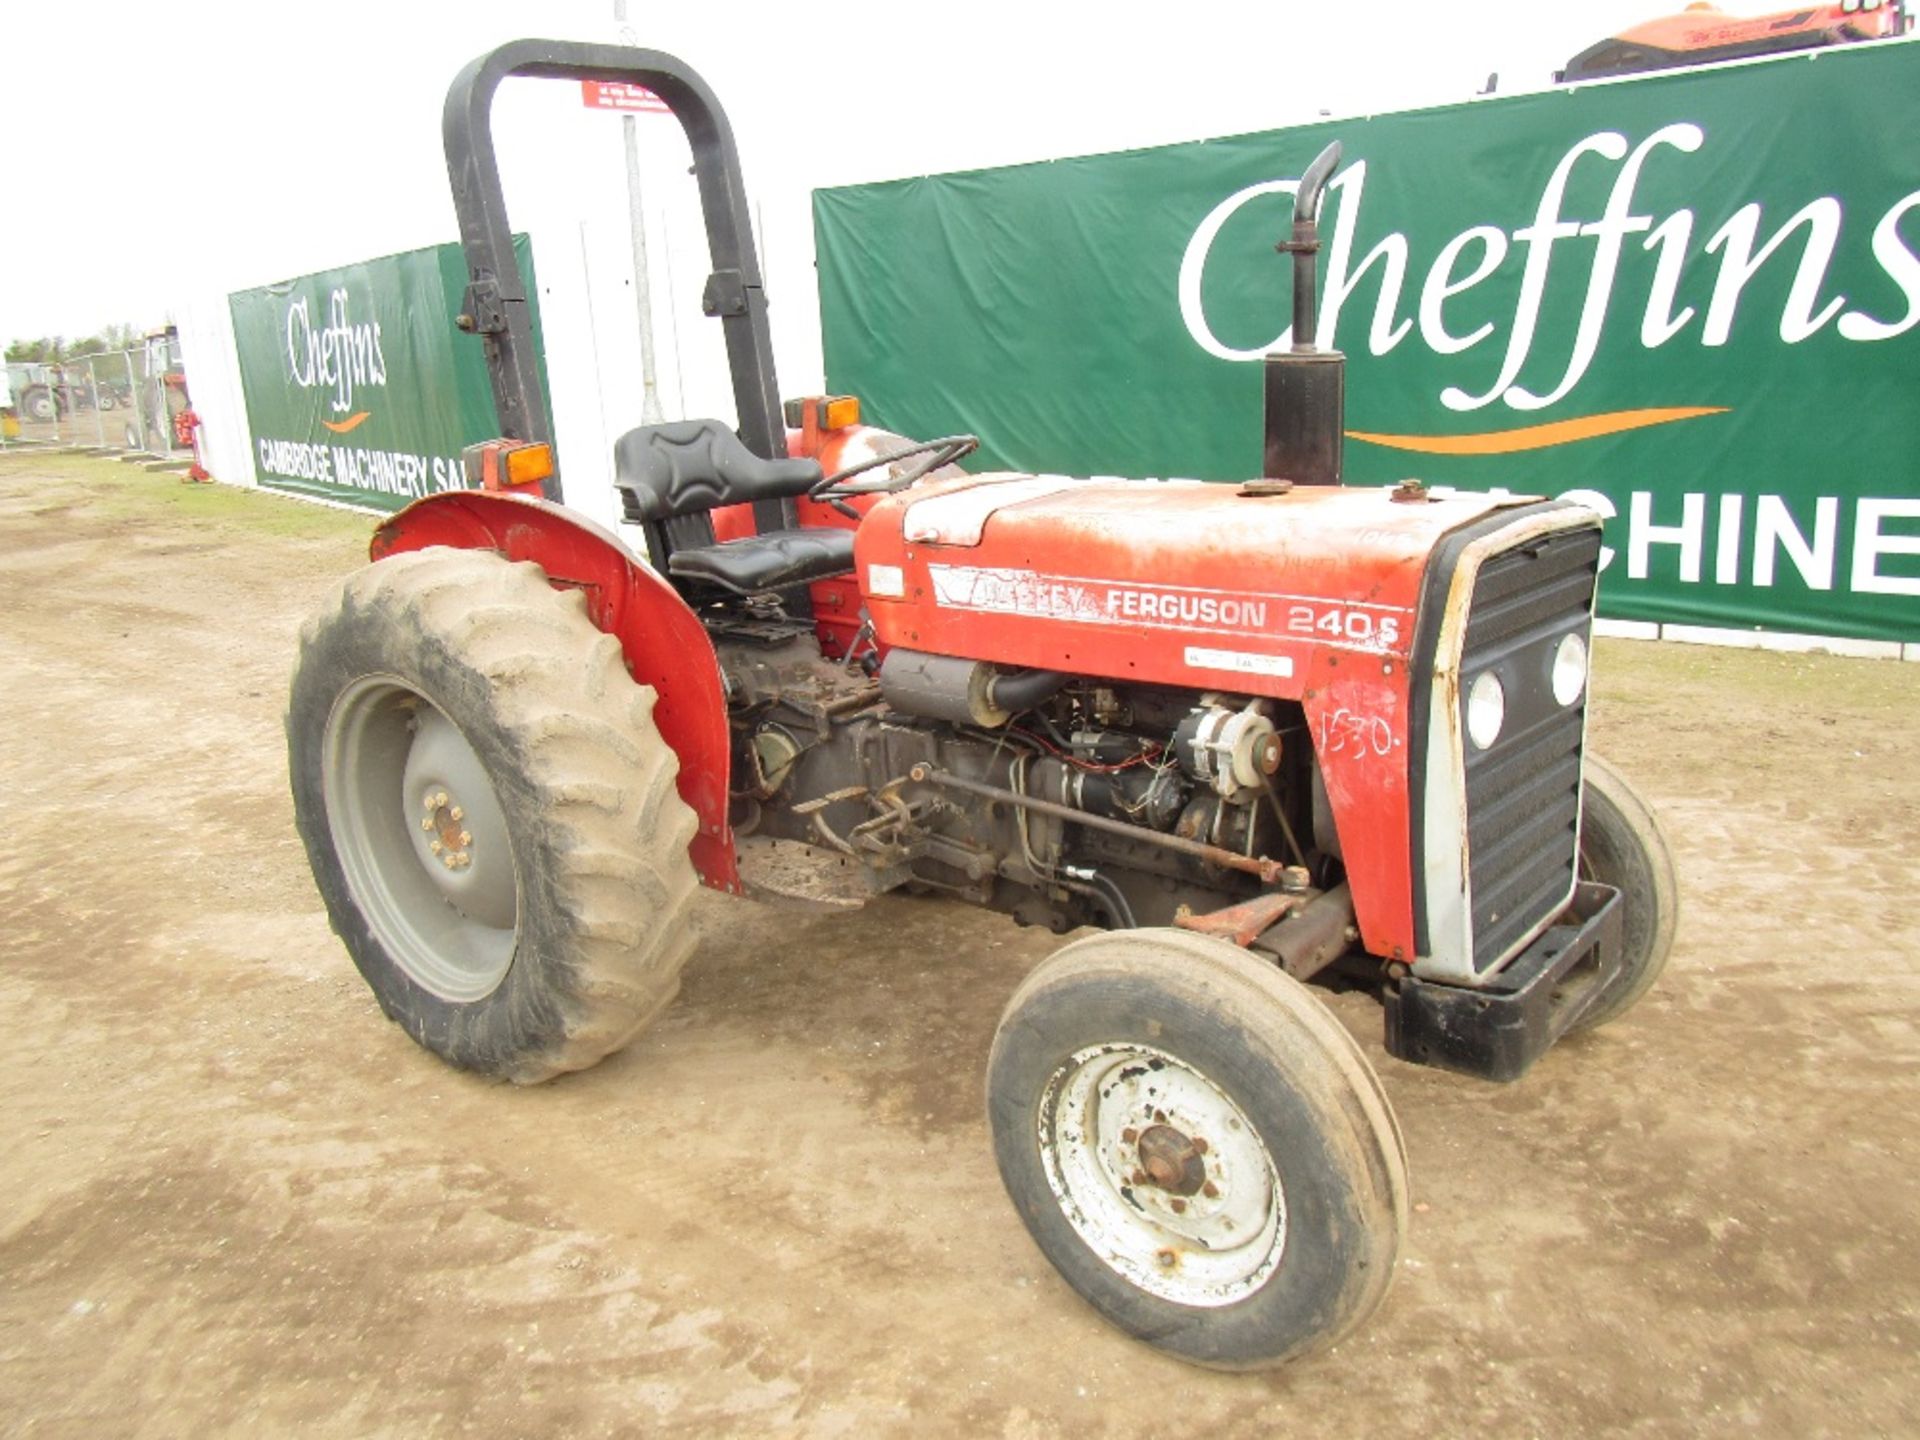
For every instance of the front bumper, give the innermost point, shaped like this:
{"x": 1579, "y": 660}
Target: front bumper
{"x": 1497, "y": 1030}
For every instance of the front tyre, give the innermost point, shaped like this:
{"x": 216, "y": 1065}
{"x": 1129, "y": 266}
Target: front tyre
{"x": 1198, "y": 1147}
{"x": 490, "y": 814}
{"x": 1623, "y": 844}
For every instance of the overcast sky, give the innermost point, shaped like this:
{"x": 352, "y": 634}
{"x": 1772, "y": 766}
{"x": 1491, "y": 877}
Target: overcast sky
{"x": 164, "y": 151}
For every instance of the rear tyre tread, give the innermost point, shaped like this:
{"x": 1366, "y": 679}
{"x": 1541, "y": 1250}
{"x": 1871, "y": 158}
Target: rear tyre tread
{"x": 612, "y": 830}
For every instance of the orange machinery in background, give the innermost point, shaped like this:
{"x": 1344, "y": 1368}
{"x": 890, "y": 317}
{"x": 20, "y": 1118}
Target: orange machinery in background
{"x": 1703, "y": 34}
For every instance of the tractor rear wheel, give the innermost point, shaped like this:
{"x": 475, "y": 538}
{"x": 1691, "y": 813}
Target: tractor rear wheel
{"x": 36, "y": 403}
{"x": 490, "y": 814}
{"x": 1623, "y": 844}
{"x": 1198, "y": 1146}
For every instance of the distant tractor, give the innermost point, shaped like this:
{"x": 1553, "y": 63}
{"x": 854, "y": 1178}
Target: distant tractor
{"x": 1703, "y": 34}
{"x": 1252, "y": 735}
{"x": 33, "y": 391}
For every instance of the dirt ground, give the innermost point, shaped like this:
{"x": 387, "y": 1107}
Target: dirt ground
{"x": 234, "y": 1200}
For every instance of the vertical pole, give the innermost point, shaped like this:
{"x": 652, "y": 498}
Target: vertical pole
{"x": 650, "y": 411}
{"x": 673, "y": 319}
{"x": 99, "y": 415}
{"x": 139, "y": 404}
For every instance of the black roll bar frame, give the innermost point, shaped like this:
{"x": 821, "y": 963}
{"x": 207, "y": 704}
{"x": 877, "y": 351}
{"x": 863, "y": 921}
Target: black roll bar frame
{"x": 495, "y": 303}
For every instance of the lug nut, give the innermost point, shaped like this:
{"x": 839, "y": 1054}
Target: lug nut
{"x": 440, "y": 799}
{"x": 466, "y": 839}
{"x": 435, "y": 846}
{"x": 1210, "y": 1190}
{"x": 1139, "y": 1177}
{"x": 1129, "y": 1135}
{"x": 1199, "y": 1145}
{"x": 447, "y": 860}
{"x": 427, "y": 802}
{"x": 457, "y": 813}
{"x": 1179, "y": 1205}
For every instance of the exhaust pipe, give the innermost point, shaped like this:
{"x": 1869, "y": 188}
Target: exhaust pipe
{"x": 1306, "y": 389}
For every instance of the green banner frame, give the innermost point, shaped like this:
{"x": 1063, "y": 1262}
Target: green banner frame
{"x": 358, "y": 386}
{"x": 1691, "y": 300}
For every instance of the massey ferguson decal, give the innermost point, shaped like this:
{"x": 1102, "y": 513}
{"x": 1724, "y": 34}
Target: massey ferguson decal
{"x": 1187, "y": 609}
{"x": 1099, "y": 602}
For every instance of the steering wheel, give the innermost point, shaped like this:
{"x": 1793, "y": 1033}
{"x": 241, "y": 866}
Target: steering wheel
{"x": 932, "y": 454}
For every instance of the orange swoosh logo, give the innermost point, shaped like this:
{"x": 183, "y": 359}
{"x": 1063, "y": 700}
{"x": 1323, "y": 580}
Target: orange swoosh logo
{"x": 1539, "y": 437}
{"x": 341, "y": 427}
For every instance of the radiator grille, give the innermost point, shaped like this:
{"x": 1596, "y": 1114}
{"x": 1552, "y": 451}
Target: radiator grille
{"x": 1523, "y": 792}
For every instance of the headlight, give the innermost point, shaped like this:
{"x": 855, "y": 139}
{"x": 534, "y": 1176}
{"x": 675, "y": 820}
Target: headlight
{"x": 1486, "y": 710}
{"x": 1570, "y": 669}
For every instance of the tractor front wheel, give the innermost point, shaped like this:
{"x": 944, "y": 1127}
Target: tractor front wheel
{"x": 1623, "y": 844}
{"x": 490, "y": 814}
{"x": 1198, "y": 1146}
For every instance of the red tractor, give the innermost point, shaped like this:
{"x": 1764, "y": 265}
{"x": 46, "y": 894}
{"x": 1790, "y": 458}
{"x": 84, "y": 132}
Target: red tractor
{"x": 1255, "y": 736}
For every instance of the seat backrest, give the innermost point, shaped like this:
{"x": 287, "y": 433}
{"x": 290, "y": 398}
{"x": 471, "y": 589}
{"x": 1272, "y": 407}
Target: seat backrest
{"x": 686, "y": 467}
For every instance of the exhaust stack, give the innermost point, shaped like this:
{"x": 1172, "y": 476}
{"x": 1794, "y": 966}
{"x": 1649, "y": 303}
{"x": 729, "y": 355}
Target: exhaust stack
{"x": 1306, "y": 389}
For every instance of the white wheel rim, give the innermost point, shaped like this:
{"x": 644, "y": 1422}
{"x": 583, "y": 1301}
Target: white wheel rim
{"x": 1208, "y": 1225}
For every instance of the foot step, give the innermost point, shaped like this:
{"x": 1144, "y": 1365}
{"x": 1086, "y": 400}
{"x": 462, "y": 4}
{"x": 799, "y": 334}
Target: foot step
{"x": 792, "y": 873}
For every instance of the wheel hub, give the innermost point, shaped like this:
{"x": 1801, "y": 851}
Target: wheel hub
{"x": 450, "y": 840}
{"x": 1161, "y": 1174}
{"x": 460, "y": 837}
{"x": 1171, "y": 1160}
{"x": 421, "y": 837}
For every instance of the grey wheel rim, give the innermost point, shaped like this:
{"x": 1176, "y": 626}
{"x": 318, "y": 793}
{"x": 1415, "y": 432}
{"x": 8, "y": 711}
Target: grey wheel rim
{"x": 421, "y": 838}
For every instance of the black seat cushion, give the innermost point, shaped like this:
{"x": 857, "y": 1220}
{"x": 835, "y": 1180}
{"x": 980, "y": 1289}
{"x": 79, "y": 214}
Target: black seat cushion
{"x": 694, "y": 465}
{"x": 767, "y": 562}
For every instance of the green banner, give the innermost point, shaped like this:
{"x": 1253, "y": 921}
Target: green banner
{"x": 1690, "y": 300}
{"x": 358, "y": 386}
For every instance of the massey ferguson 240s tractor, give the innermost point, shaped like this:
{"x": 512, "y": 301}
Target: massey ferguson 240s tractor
{"x": 1253, "y": 736}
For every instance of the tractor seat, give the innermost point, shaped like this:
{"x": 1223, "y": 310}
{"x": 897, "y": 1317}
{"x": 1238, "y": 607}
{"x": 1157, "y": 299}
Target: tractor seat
{"x": 671, "y": 476}
{"x": 766, "y": 562}
{"x": 690, "y": 466}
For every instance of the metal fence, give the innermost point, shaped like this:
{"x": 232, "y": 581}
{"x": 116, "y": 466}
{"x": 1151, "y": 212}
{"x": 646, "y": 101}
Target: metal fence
{"x": 127, "y": 400}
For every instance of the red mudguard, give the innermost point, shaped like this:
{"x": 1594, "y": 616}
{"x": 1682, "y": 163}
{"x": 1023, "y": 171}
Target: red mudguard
{"x": 665, "y": 643}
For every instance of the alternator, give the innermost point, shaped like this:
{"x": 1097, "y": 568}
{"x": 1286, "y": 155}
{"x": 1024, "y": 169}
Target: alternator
{"x": 1234, "y": 751}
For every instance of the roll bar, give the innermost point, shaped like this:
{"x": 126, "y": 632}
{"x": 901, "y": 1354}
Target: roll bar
{"x": 494, "y": 306}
